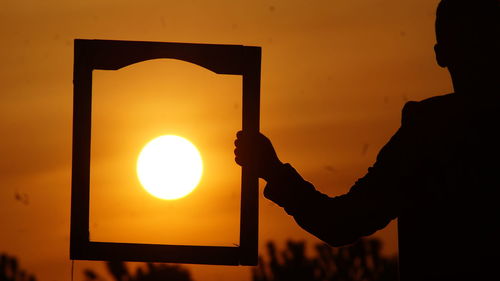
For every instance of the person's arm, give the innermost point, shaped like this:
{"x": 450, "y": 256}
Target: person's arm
{"x": 366, "y": 208}
{"x": 370, "y": 205}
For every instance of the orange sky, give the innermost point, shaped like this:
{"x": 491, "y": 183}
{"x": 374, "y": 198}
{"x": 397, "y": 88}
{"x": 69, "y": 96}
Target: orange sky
{"x": 335, "y": 75}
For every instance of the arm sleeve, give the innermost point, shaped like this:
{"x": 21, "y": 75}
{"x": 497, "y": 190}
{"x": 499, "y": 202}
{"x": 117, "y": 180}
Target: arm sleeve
{"x": 372, "y": 202}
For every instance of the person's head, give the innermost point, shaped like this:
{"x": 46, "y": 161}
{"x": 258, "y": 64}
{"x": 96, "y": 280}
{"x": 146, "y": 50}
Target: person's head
{"x": 468, "y": 41}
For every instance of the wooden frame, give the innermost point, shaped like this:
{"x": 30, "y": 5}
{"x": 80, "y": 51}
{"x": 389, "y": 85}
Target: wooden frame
{"x": 113, "y": 55}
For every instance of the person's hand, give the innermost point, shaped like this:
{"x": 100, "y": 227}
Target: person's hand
{"x": 247, "y": 145}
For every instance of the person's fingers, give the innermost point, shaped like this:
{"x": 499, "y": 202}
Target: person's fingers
{"x": 238, "y": 161}
{"x": 240, "y": 157}
{"x": 239, "y": 134}
{"x": 242, "y": 140}
{"x": 239, "y": 153}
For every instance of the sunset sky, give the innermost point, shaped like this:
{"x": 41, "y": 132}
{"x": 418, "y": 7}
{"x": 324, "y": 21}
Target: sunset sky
{"x": 335, "y": 75}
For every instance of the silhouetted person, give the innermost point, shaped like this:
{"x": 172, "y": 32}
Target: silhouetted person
{"x": 439, "y": 174}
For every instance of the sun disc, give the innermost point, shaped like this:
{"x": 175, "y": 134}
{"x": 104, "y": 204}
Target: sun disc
{"x": 169, "y": 167}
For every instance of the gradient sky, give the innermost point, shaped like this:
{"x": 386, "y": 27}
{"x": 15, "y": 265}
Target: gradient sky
{"x": 335, "y": 75}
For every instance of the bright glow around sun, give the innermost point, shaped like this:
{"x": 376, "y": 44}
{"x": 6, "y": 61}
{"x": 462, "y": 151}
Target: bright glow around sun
{"x": 169, "y": 167}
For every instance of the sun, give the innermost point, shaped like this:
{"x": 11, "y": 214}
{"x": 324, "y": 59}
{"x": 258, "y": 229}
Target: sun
{"x": 169, "y": 167}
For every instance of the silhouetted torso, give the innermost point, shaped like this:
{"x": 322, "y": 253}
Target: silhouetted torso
{"x": 450, "y": 226}
{"x": 439, "y": 175}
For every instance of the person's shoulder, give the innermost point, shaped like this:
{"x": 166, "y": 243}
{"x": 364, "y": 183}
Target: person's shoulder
{"x": 440, "y": 101}
{"x": 432, "y": 107}
{"x": 435, "y": 102}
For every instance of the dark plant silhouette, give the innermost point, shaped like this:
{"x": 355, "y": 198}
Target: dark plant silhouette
{"x": 10, "y": 270}
{"x": 359, "y": 262}
{"x": 149, "y": 272}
